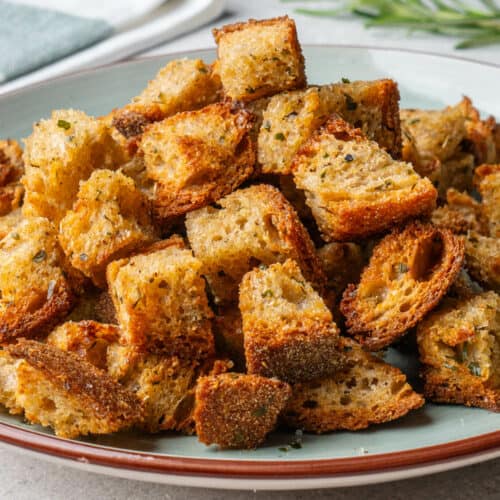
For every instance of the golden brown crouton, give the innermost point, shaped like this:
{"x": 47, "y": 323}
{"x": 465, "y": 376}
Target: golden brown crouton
{"x": 8, "y": 382}
{"x": 459, "y": 346}
{"x": 160, "y": 301}
{"x": 288, "y": 331}
{"x": 197, "y": 157}
{"x": 60, "y": 390}
{"x": 461, "y": 214}
{"x": 35, "y": 293}
{"x": 291, "y": 117}
{"x": 259, "y": 58}
{"x": 238, "y": 411}
{"x": 11, "y": 171}
{"x": 342, "y": 263}
{"x": 487, "y": 180}
{"x": 228, "y": 334}
{"x": 366, "y": 391}
{"x": 353, "y": 187}
{"x": 62, "y": 151}
{"x": 408, "y": 273}
{"x": 9, "y": 222}
{"x": 110, "y": 220}
{"x": 482, "y": 257}
{"x": 251, "y": 226}
{"x": 182, "y": 85}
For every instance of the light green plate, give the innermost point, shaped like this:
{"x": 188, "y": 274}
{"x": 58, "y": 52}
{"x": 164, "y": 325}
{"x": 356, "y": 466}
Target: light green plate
{"x": 428, "y": 436}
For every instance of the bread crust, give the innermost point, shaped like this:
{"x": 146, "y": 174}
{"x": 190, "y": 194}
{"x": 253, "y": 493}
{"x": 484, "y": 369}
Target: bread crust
{"x": 345, "y": 216}
{"x": 11, "y": 171}
{"x": 487, "y": 181}
{"x": 237, "y": 411}
{"x": 329, "y": 404}
{"x": 409, "y": 272}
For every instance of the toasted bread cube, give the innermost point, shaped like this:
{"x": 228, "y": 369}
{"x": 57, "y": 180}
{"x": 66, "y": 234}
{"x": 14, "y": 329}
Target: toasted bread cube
{"x": 11, "y": 171}
{"x": 288, "y": 331}
{"x": 354, "y": 188}
{"x": 461, "y": 214}
{"x": 110, "y": 219}
{"x": 197, "y": 157}
{"x": 342, "y": 263}
{"x": 259, "y": 58}
{"x": 93, "y": 305}
{"x": 291, "y": 117}
{"x": 459, "y": 346}
{"x": 409, "y": 271}
{"x": 60, "y": 390}
{"x": 8, "y": 382}
{"x": 62, "y": 151}
{"x": 228, "y": 335}
{"x": 482, "y": 257}
{"x": 238, "y": 411}
{"x": 253, "y": 226}
{"x": 366, "y": 391}
{"x": 35, "y": 292}
{"x": 160, "y": 301}
{"x": 487, "y": 180}
{"x": 182, "y": 85}
{"x": 10, "y": 221}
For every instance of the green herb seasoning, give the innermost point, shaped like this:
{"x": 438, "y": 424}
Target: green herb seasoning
{"x": 40, "y": 256}
{"x": 63, "y": 124}
{"x": 260, "y": 411}
{"x": 267, "y": 293}
{"x": 475, "y": 369}
{"x": 345, "y": 80}
{"x": 279, "y": 136}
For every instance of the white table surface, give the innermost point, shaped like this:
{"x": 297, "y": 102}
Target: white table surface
{"x": 26, "y": 478}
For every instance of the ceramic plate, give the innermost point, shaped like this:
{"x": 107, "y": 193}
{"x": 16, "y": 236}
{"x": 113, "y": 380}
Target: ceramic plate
{"x": 431, "y": 439}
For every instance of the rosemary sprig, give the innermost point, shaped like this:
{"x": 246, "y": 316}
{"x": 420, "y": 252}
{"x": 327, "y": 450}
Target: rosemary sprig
{"x": 477, "y": 26}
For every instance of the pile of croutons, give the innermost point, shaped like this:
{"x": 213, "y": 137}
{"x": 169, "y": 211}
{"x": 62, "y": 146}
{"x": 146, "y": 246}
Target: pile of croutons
{"x": 234, "y": 249}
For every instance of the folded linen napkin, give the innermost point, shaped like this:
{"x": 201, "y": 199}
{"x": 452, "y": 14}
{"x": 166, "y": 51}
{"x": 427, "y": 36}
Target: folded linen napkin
{"x": 42, "y": 39}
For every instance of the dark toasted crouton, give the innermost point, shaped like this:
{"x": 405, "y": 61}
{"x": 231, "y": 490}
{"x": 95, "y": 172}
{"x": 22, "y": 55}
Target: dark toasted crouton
{"x": 288, "y": 331}
{"x": 197, "y": 157}
{"x": 408, "y": 273}
{"x": 291, "y": 117}
{"x": 482, "y": 257}
{"x": 259, "y": 58}
{"x": 110, "y": 220}
{"x": 487, "y": 180}
{"x": 459, "y": 346}
{"x": 251, "y": 226}
{"x": 160, "y": 301}
{"x": 182, "y": 85}
{"x": 354, "y": 188}
{"x": 238, "y": 411}
{"x": 36, "y": 294}
{"x": 11, "y": 171}
{"x": 366, "y": 391}
{"x": 60, "y": 390}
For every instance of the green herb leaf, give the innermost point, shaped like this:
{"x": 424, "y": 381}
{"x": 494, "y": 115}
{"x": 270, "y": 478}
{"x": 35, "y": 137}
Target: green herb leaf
{"x": 279, "y": 136}
{"x": 345, "y": 80}
{"x": 63, "y": 124}
{"x": 267, "y": 293}
{"x": 260, "y": 411}
{"x": 40, "y": 256}
{"x": 475, "y": 369}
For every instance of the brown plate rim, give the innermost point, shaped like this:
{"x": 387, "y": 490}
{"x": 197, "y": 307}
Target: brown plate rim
{"x": 227, "y": 468}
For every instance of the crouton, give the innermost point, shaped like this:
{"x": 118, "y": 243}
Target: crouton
{"x": 8, "y": 382}
{"x": 165, "y": 310}
{"x": 354, "y": 188}
{"x": 11, "y": 171}
{"x": 409, "y": 272}
{"x": 410, "y": 153}
{"x": 60, "y": 390}
{"x": 228, "y": 335}
{"x": 288, "y": 331}
{"x": 110, "y": 220}
{"x": 62, "y": 151}
{"x": 342, "y": 263}
{"x": 182, "y": 85}
{"x": 461, "y": 214}
{"x": 93, "y": 305}
{"x": 291, "y": 117}
{"x": 237, "y": 411}
{"x": 487, "y": 180}
{"x": 459, "y": 347}
{"x": 197, "y": 157}
{"x": 259, "y": 58}
{"x": 482, "y": 257}
{"x": 253, "y": 226}
{"x": 35, "y": 292}
{"x": 9, "y": 222}
{"x": 89, "y": 339}
{"x": 366, "y": 391}
{"x": 464, "y": 287}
